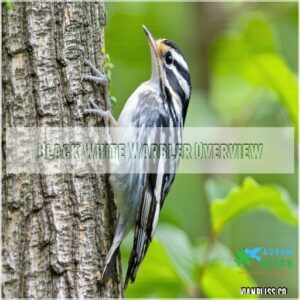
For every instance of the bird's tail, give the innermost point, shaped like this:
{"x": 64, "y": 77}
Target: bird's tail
{"x": 113, "y": 252}
{"x": 110, "y": 261}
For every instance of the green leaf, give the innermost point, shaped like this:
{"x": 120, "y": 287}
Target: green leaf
{"x": 113, "y": 99}
{"x": 219, "y": 281}
{"x": 179, "y": 250}
{"x": 250, "y": 34}
{"x": 168, "y": 269}
{"x": 217, "y": 188}
{"x": 269, "y": 70}
{"x": 156, "y": 276}
{"x": 245, "y": 63}
{"x": 219, "y": 253}
{"x": 251, "y": 196}
{"x": 9, "y": 4}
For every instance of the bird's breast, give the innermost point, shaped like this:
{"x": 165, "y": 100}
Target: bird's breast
{"x": 140, "y": 106}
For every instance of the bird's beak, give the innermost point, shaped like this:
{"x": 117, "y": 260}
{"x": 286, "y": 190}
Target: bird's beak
{"x": 151, "y": 41}
{"x": 156, "y": 73}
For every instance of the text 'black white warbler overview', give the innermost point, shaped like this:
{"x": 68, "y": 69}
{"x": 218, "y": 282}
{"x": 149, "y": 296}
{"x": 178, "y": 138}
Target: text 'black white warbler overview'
{"x": 160, "y": 102}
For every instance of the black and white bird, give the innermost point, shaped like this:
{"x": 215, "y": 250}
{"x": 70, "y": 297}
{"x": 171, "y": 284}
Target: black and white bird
{"x": 159, "y": 102}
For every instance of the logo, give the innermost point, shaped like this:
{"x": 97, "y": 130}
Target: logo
{"x": 261, "y": 259}
{"x": 264, "y": 291}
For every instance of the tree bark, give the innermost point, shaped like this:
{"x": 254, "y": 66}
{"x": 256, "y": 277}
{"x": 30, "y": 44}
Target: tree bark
{"x": 56, "y": 229}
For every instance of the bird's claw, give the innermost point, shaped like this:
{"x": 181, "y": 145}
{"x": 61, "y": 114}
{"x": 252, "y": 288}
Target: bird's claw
{"x": 101, "y": 80}
{"x": 105, "y": 114}
{"x": 86, "y": 62}
{"x": 94, "y": 105}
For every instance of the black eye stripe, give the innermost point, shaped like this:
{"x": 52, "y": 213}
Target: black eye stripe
{"x": 175, "y": 84}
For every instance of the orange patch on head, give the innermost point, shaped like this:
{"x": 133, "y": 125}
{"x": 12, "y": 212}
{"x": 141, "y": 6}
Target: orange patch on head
{"x": 162, "y": 48}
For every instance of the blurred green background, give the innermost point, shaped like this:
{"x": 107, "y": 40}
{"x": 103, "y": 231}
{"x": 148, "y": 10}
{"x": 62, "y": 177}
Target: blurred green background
{"x": 243, "y": 61}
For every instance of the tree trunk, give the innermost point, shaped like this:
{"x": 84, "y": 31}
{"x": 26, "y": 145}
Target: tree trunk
{"x": 56, "y": 229}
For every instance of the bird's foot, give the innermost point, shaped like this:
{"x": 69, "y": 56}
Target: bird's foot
{"x": 101, "y": 80}
{"x": 105, "y": 114}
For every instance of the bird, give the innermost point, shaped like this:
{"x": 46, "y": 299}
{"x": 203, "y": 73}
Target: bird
{"x": 160, "y": 102}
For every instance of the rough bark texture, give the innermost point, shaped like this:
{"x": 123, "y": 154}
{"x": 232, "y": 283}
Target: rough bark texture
{"x": 56, "y": 230}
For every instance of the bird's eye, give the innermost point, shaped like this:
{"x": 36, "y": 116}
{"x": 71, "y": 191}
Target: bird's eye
{"x": 169, "y": 58}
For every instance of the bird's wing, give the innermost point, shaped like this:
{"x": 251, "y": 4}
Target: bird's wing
{"x": 154, "y": 191}
{"x": 147, "y": 213}
{"x": 147, "y": 217}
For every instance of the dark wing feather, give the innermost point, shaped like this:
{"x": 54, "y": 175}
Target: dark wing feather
{"x": 155, "y": 186}
{"x": 143, "y": 232}
{"x": 149, "y": 210}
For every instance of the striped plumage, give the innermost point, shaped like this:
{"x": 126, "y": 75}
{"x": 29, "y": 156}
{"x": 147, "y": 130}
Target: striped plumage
{"x": 160, "y": 102}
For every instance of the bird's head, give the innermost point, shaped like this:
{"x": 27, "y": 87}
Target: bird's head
{"x": 169, "y": 67}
